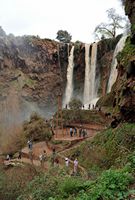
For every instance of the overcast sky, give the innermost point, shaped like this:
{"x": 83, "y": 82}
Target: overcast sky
{"x": 46, "y": 17}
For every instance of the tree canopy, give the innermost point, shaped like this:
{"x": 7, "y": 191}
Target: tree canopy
{"x": 63, "y": 36}
{"x": 109, "y": 29}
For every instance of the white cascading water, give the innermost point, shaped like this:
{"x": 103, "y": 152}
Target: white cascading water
{"x": 86, "y": 96}
{"x": 93, "y": 71}
{"x": 114, "y": 72}
{"x": 69, "y": 86}
{"x": 90, "y": 90}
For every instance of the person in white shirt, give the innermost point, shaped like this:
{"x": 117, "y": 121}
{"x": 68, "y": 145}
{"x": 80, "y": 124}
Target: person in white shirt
{"x": 75, "y": 165}
{"x": 67, "y": 162}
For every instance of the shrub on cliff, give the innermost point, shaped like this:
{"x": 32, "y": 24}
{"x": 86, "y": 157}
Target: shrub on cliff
{"x": 37, "y": 128}
{"x": 75, "y": 104}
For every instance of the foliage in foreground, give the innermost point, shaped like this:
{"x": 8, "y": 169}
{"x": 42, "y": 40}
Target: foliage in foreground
{"x": 116, "y": 182}
{"x": 14, "y": 180}
{"x": 112, "y": 184}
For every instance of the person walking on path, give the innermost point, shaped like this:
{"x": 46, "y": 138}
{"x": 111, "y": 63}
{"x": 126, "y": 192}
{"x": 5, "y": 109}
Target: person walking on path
{"x": 30, "y": 145}
{"x": 67, "y": 162}
{"x": 75, "y": 166}
{"x": 75, "y": 131}
{"x": 31, "y": 156}
{"x": 71, "y": 132}
{"x": 42, "y": 158}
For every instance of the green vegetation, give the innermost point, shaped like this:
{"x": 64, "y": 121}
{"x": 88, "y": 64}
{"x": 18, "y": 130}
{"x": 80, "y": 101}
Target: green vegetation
{"x": 63, "y": 36}
{"x": 75, "y": 104}
{"x": 111, "y": 147}
{"x": 109, "y": 160}
{"x": 112, "y": 184}
{"x": 37, "y": 129}
{"x": 80, "y": 116}
{"x": 127, "y": 53}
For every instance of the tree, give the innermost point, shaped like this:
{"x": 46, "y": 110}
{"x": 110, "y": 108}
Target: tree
{"x": 63, "y": 36}
{"x": 109, "y": 29}
{"x": 37, "y": 128}
{"x": 75, "y": 104}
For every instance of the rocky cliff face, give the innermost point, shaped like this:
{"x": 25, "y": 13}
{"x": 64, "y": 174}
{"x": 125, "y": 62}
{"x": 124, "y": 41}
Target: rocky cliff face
{"x": 121, "y": 100}
{"x": 30, "y": 75}
{"x": 104, "y": 59}
{"x": 33, "y": 73}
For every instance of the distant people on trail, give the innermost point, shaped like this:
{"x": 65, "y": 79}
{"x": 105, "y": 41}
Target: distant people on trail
{"x": 83, "y": 107}
{"x": 75, "y": 165}
{"x": 93, "y": 107}
{"x": 20, "y": 154}
{"x": 99, "y": 109}
{"x": 66, "y": 106}
{"x": 42, "y": 158}
{"x": 67, "y": 162}
{"x": 31, "y": 156}
{"x": 80, "y": 132}
{"x": 8, "y": 157}
{"x": 75, "y": 131}
{"x": 30, "y": 145}
{"x": 84, "y": 133}
{"x": 71, "y": 132}
{"x": 89, "y": 107}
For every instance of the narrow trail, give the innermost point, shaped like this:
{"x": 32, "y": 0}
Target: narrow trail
{"x": 74, "y": 146}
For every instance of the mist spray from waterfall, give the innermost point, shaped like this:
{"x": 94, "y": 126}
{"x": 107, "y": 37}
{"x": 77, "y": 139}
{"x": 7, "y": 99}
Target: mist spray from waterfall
{"x": 69, "y": 86}
{"x": 114, "y": 72}
{"x": 90, "y": 86}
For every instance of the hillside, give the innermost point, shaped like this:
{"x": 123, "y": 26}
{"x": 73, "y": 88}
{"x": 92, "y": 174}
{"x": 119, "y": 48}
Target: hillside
{"x": 78, "y": 152}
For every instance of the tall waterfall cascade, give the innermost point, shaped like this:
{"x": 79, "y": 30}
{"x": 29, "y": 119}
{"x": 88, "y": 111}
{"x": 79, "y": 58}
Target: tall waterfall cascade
{"x": 90, "y": 86}
{"x": 87, "y": 75}
{"x": 114, "y": 72}
{"x": 69, "y": 86}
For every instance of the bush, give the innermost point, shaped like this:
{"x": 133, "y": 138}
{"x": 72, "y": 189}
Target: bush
{"x": 75, "y": 104}
{"x": 13, "y": 142}
{"x": 113, "y": 184}
{"x": 37, "y": 129}
{"x": 70, "y": 186}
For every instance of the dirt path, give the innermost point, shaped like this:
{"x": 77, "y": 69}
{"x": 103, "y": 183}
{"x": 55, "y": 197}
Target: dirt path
{"x": 75, "y": 141}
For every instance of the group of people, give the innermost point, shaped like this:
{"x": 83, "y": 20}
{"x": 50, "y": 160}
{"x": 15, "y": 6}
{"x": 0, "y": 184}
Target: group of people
{"x": 89, "y": 107}
{"x": 74, "y": 132}
{"x": 43, "y": 157}
{"x": 75, "y": 168}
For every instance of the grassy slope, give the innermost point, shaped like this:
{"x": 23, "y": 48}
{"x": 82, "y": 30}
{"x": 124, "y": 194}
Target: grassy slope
{"x": 110, "y": 161}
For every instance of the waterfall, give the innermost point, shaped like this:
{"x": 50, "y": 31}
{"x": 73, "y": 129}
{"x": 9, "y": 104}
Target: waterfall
{"x": 93, "y": 71}
{"x": 113, "y": 73}
{"x": 90, "y": 89}
{"x": 86, "y": 96}
{"x": 69, "y": 86}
